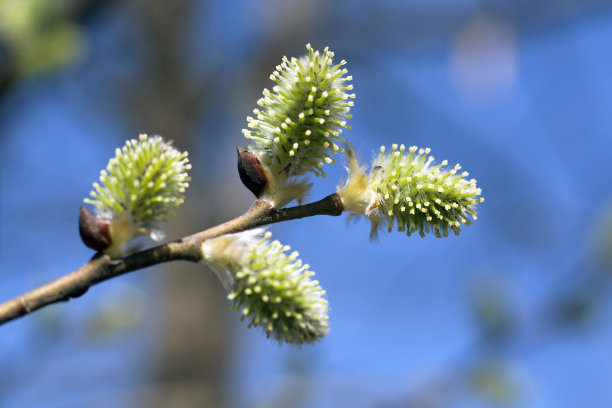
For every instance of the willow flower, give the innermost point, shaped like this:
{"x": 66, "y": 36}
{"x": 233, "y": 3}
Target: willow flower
{"x": 298, "y": 125}
{"x": 409, "y": 191}
{"x": 139, "y": 189}
{"x": 270, "y": 287}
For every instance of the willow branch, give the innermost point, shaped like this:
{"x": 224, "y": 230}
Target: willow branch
{"x": 101, "y": 267}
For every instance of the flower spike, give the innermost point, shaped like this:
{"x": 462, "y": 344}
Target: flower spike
{"x": 407, "y": 189}
{"x": 299, "y": 124}
{"x": 141, "y": 186}
{"x": 272, "y": 289}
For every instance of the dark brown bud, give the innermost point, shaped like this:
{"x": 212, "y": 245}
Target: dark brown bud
{"x": 93, "y": 230}
{"x": 251, "y": 172}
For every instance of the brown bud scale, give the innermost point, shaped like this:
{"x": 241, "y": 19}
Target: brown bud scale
{"x": 251, "y": 172}
{"x": 94, "y": 231}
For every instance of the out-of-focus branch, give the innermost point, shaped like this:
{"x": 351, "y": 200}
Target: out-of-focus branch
{"x": 49, "y": 38}
{"x": 102, "y": 267}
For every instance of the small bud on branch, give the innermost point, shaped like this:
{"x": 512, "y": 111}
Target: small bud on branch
{"x": 251, "y": 172}
{"x": 93, "y": 230}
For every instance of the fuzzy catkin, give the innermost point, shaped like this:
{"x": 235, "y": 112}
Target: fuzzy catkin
{"x": 410, "y": 192}
{"x": 298, "y": 125}
{"x": 140, "y": 188}
{"x": 270, "y": 287}
{"x": 419, "y": 196}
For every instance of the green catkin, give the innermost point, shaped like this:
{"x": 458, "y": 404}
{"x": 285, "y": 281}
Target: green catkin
{"x": 299, "y": 123}
{"x": 269, "y": 286}
{"x": 411, "y": 193}
{"x": 140, "y": 188}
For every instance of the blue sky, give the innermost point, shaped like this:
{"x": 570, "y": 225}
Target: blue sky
{"x": 525, "y": 109}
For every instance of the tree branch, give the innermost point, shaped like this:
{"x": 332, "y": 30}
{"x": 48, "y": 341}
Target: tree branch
{"x": 101, "y": 267}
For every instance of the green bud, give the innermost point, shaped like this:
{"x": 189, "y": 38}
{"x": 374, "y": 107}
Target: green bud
{"x": 299, "y": 124}
{"x": 408, "y": 190}
{"x": 141, "y": 186}
{"x": 271, "y": 288}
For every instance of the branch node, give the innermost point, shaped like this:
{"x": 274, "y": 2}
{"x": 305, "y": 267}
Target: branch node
{"x": 259, "y": 205}
{"x": 77, "y": 293}
{"x": 24, "y": 304}
{"x": 337, "y": 204}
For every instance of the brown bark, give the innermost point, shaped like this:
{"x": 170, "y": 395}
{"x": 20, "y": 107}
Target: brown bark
{"x": 102, "y": 267}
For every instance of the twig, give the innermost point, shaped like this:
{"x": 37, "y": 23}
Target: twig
{"x": 101, "y": 267}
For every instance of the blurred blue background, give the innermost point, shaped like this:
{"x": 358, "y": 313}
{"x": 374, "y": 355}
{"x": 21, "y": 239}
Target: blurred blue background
{"x": 514, "y": 312}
